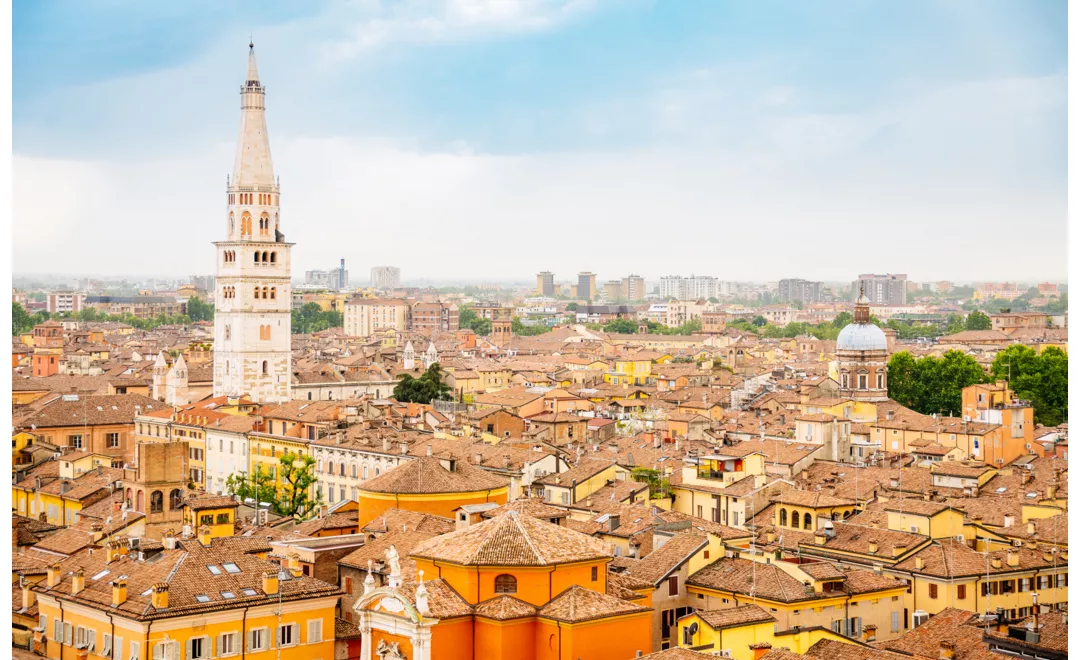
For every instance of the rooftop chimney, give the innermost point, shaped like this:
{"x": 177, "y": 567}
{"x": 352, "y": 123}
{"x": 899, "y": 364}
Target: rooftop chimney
{"x": 159, "y": 596}
{"x": 919, "y": 563}
{"x": 947, "y": 650}
{"x": 78, "y": 581}
{"x": 873, "y": 546}
{"x": 270, "y": 583}
{"x": 119, "y": 592}
{"x": 53, "y": 575}
{"x": 28, "y": 595}
{"x": 995, "y": 562}
{"x": 898, "y": 550}
{"x": 1012, "y": 557}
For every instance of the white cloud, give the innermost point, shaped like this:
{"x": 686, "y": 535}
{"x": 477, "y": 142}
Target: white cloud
{"x": 376, "y": 23}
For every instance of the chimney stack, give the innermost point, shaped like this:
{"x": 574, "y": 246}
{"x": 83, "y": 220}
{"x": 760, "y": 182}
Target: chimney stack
{"x": 159, "y": 596}
{"x": 270, "y": 583}
{"x": 78, "y": 581}
{"x": 53, "y": 575}
{"x": 119, "y": 592}
{"x": 947, "y": 650}
{"x": 898, "y": 550}
{"x": 28, "y": 595}
{"x": 1012, "y": 557}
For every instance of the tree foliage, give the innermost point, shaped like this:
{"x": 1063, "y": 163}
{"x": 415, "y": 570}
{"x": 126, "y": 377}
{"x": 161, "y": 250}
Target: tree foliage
{"x": 1042, "y": 378}
{"x": 468, "y": 319}
{"x": 21, "y": 320}
{"x": 523, "y": 330}
{"x": 428, "y": 386}
{"x": 298, "y": 481}
{"x": 259, "y": 487}
{"x": 311, "y": 318}
{"x": 199, "y": 310}
{"x": 659, "y": 487}
{"x": 930, "y": 384}
{"x": 977, "y": 321}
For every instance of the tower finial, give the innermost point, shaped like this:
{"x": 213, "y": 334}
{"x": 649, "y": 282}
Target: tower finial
{"x": 251, "y": 41}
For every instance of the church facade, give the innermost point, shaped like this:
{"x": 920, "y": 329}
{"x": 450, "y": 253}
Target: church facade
{"x": 252, "y": 321}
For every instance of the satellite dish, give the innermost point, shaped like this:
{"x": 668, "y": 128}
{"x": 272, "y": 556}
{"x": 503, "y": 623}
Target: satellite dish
{"x": 693, "y": 628}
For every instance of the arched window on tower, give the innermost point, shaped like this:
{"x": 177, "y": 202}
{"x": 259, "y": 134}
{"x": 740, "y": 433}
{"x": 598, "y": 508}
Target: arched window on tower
{"x": 265, "y": 367}
{"x": 795, "y": 519}
{"x": 232, "y": 223}
{"x": 807, "y": 521}
{"x": 273, "y": 257}
{"x": 783, "y": 517}
{"x": 880, "y": 380}
{"x": 265, "y": 292}
{"x": 176, "y": 499}
{"x": 273, "y": 293}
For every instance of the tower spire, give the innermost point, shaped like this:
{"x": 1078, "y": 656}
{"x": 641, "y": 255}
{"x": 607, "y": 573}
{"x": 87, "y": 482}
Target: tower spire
{"x": 254, "y": 167}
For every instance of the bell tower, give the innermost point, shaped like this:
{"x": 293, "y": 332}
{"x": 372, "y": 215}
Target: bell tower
{"x": 252, "y": 320}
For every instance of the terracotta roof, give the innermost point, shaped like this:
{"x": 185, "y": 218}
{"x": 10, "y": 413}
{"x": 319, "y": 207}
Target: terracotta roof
{"x": 950, "y": 558}
{"x": 659, "y": 563}
{"x": 1053, "y": 632}
{"x": 200, "y": 501}
{"x": 744, "y": 576}
{"x": 585, "y": 469}
{"x": 504, "y": 608}
{"x": 346, "y": 629}
{"x": 426, "y": 475}
{"x": 736, "y": 616}
{"x": 577, "y": 604}
{"x": 513, "y": 540}
{"x": 348, "y": 520}
{"x": 403, "y": 519}
{"x": 185, "y": 571}
{"x": 948, "y": 625}
{"x": 93, "y": 410}
{"x": 832, "y": 649}
{"x": 403, "y": 541}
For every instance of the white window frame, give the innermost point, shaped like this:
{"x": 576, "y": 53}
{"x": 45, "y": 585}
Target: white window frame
{"x": 205, "y": 652}
{"x": 294, "y": 635}
{"x": 263, "y": 642}
{"x": 133, "y": 652}
{"x": 314, "y": 631}
{"x": 106, "y": 645}
{"x": 234, "y": 638}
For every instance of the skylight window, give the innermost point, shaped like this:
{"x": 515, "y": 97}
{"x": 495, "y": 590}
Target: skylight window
{"x": 230, "y": 567}
{"x": 202, "y": 598}
{"x": 213, "y": 569}
{"x": 249, "y": 592}
{"x": 1000, "y": 490}
{"x": 98, "y": 576}
{"x": 228, "y": 595}
{"x": 145, "y": 593}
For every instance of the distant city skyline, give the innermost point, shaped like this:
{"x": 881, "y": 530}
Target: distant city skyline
{"x": 708, "y": 137}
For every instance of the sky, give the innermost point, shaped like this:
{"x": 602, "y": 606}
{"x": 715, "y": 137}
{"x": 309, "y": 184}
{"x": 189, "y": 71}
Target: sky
{"x": 488, "y": 140}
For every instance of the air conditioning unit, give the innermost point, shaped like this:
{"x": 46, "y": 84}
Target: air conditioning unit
{"x": 919, "y": 617}
{"x": 960, "y": 538}
{"x": 722, "y": 653}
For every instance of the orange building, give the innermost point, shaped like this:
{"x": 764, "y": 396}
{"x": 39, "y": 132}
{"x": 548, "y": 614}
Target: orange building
{"x": 512, "y": 586}
{"x": 48, "y": 348}
{"x": 995, "y": 403}
{"x": 432, "y": 485}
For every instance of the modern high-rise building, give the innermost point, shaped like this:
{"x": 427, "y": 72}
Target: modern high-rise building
{"x": 339, "y": 278}
{"x": 688, "y": 288}
{"x": 885, "y": 289}
{"x": 613, "y": 289}
{"x": 798, "y": 290}
{"x": 385, "y": 277}
{"x": 633, "y": 287}
{"x": 586, "y": 286}
{"x": 545, "y": 284}
{"x": 252, "y": 323}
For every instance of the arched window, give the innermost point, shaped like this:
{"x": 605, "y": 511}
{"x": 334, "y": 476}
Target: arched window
{"x": 880, "y": 380}
{"x": 783, "y": 517}
{"x": 352, "y": 467}
{"x": 139, "y": 500}
{"x": 256, "y": 257}
{"x": 807, "y": 521}
{"x": 844, "y": 380}
{"x": 365, "y": 472}
{"x": 266, "y": 292}
{"x": 157, "y": 502}
{"x": 226, "y": 367}
{"x": 341, "y": 469}
{"x": 318, "y": 465}
{"x": 862, "y": 381}
{"x": 505, "y": 584}
{"x": 273, "y": 257}
{"x": 127, "y": 499}
{"x": 176, "y": 499}
{"x": 795, "y": 519}
{"x": 265, "y": 368}
{"x": 232, "y": 223}
{"x": 273, "y": 293}
{"x": 376, "y": 472}
{"x": 330, "y": 467}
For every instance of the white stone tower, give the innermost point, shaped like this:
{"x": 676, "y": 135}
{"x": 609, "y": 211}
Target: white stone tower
{"x": 252, "y": 321}
{"x": 408, "y": 356}
{"x": 176, "y": 383}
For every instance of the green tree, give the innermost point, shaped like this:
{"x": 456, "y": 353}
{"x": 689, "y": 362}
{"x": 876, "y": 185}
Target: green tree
{"x": 572, "y": 307}
{"x": 199, "y": 310}
{"x": 954, "y": 324}
{"x": 759, "y": 321}
{"x": 298, "y": 481}
{"x": 428, "y": 386}
{"x": 843, "y": 319}
{"x": 977, "y": 321}
{"x": 621, "y": 326}
{"x": 259, "y": 487}
{"x": 522, "y": 330}
{"x": 659, "y": 487}
{"x": 932, "y": 385}
{"x": 21, "y": 321}
{"x": 1042, "y": 378}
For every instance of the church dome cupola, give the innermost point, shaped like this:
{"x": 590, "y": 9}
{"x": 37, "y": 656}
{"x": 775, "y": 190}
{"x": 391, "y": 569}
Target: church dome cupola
{"x": 861, "y": 334}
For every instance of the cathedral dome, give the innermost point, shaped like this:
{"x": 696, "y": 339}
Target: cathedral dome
{"x": 861, "y": 337}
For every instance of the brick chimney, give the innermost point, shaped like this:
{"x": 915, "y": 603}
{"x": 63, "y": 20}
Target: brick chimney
{"x": 947, "y": 650}
{"x": 159, "y": 596}
{"x": 898, "y": 550}
{"x": 28, "y": 595}
{"x": 119, "y": 592}
{"x": 292, "y": 562}
{"x": 204, "y": 535}
{"x": 869, "y": 632}
{"x": 873, "y": 547}
{"x": 919, "y": 563}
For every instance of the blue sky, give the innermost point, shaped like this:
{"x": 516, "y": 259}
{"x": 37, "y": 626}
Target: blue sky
{"x": 493, "y": 139}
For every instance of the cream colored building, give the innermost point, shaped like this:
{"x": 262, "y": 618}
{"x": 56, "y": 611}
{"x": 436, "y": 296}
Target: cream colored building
{"x": 367, "y": 316}
{"x": 252, "y": 324}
